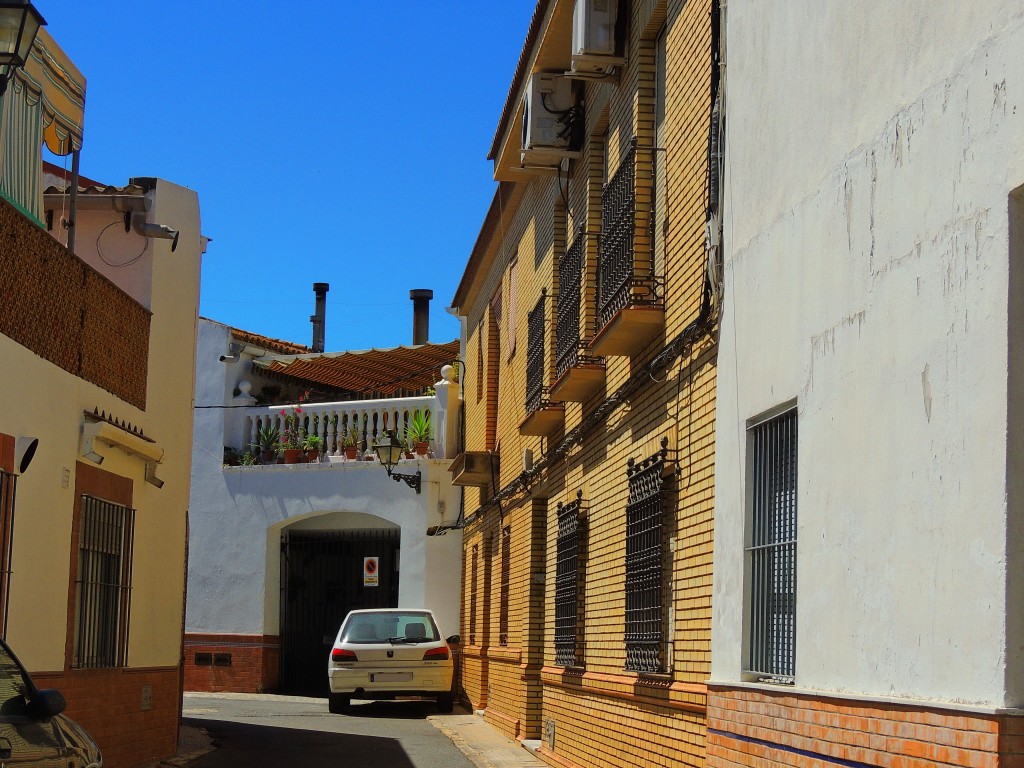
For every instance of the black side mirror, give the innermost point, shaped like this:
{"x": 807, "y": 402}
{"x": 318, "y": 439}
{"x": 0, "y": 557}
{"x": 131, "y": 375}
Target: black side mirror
{"x": 46, "y": 703}
{"x": 453, "y": 639}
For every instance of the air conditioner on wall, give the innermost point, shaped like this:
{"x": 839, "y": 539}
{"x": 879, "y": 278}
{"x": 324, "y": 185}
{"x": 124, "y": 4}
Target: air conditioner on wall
{"x": 593, "y": 36}
{"x": 549, "y": 112}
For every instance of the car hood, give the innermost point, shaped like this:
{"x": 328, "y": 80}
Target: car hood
{"x": 79, "y": 740}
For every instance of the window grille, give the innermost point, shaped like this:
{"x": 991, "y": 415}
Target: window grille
{"x": 567, "y": 577}
{"x": 618, "y": 217}
{"x": 8, "y": 483}
{"x": 473, "y": 591}
{"x": 535, "y": 358}
{"x": 104, "y": 583}
{"x": 772, "y": 550}
{"x": 505, "y": 573}
{"x": 567, "y": 329}
{"x": 645, "y": 563}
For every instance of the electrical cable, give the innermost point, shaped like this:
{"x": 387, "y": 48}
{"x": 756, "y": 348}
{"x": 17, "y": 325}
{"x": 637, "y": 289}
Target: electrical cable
{"x": 99, "y": 248}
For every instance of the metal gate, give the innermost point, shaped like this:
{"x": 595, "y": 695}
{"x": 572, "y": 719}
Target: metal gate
{"x": 322, "y": 579}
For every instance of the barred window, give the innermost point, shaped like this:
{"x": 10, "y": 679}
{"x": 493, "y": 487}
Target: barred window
{"x": 104, "y": 583}
{"x": 474, "y": 583}
{"x": 567, "y": 327}
{"x": 567, "y": 582}
{"x": 505, "y": 573}
{"x": 8, "y": 482}
{"x": 771, "y": 552}
{"x": 645, "y": 563}
{"x": 535, "y": 357}
{"x": 618, "y": 218}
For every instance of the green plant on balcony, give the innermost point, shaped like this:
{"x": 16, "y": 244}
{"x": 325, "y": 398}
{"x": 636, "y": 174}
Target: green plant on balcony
{"x": 353, "y": 436}
{"x": 268, "y": 438}
{"x": 418, "y": 431}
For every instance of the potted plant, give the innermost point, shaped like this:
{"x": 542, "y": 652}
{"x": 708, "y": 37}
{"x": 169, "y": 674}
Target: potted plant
{"x": 267, "y": 438}
{"x": 313, "y": 445}
{"x": 418, "y": 432}
{"x": 351, "y": 440}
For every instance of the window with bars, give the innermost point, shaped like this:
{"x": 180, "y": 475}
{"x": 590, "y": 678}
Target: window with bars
{"x": 8, "y": 483}
{"x": 504, "y": 570}
{"x": 104, "y": 583}
{"x": 771, "y": 553}
{"x": 535, "y": 357}
{"x": 618, "y": 220}
{"x": 645, "y": 562}
{"x": 474, "y": 583}
{"x": 567, "y": 327}
{"x": 567, "y": 582}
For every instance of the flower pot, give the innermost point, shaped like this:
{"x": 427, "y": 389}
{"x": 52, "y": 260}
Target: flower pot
{"x": 421, "y": 448}
{"x": 292, "y": 455}
{"x": 351, "y": 452}
{"x": 312, "y": 455}
{"x": 268, "y": 457}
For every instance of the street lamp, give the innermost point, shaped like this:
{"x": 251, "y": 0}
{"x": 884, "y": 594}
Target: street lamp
{"x": 389, "y": 452}
{"x": 19, "y": 24}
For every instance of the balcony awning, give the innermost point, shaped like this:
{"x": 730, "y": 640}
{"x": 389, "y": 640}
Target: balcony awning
{"x": 44, "y": 103}
{"x": 52, "y": 80}
{"x": 374, "y": 372}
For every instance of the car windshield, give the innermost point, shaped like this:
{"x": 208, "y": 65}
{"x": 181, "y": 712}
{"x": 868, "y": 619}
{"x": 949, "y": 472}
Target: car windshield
{"x": 389, "y": 627}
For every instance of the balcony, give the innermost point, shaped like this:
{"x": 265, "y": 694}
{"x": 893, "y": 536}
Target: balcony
{"x": 542, "y": 416}
{"x": 578, "y": 376}
{"x": 630, "y": 310}
{"x": 69, "y": 314}
{"x": 332, "y": 422}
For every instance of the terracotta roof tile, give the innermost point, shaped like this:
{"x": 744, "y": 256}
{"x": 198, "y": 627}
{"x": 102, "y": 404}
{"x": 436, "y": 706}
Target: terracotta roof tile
{"x": 272, "y": 345}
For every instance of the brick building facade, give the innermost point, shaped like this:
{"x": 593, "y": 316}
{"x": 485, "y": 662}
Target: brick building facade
{"x": 590, "y": 399}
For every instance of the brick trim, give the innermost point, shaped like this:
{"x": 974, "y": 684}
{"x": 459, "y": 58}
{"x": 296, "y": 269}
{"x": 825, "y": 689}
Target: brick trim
{"x": 747, "y": 726}
{"x": 254, "y": 662}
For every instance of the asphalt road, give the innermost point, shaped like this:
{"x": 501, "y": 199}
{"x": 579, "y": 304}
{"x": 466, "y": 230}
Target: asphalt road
{"x": 265, "y": 731}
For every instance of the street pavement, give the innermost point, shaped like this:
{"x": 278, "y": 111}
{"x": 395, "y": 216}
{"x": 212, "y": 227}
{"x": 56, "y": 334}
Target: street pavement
{"x": 228, "y": 729}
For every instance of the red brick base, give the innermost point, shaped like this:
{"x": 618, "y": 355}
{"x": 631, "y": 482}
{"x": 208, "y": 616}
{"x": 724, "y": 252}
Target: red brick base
{"x": 235, "y": 663}
{"x": 755, "y": 727}
{"x": 132, "y": 713}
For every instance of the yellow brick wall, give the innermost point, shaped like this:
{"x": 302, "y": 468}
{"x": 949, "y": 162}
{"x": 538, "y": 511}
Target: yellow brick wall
{"x": 601, "y": 715}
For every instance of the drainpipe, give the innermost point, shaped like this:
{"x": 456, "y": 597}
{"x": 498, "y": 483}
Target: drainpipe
{"x": 420, "y": 314}
{"x": 319, "y": 316}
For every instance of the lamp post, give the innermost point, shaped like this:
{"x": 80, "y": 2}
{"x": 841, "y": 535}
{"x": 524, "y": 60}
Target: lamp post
{"x": 19, "y": 25}
{"x": 389, "y": 452}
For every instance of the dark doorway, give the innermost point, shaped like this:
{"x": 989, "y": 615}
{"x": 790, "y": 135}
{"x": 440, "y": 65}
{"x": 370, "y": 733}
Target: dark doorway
{"x": 322, "y": 579}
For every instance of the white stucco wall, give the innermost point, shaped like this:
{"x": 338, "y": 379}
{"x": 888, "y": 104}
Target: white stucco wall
{"x": 871, "y": 149}
{"x": 237, "y": 515}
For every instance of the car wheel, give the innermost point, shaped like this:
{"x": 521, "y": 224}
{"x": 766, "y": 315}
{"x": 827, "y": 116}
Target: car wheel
{"x": 444, "y": 702}
{"x": 338, "y": 704}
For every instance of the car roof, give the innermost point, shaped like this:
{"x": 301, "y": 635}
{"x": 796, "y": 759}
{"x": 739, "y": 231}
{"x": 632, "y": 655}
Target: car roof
{"x": 392, "y": 610}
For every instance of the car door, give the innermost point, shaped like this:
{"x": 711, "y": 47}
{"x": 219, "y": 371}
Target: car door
{"x": 24, "y": 741}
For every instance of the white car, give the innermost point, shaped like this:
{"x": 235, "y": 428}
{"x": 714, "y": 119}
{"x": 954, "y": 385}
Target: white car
{"x": 388, "y": 652}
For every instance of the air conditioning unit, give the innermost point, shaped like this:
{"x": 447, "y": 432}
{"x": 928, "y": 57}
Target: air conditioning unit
{"x": 549, "y": 114}
{"x": 475, "y": 468}
{"x": 593, "y": 36}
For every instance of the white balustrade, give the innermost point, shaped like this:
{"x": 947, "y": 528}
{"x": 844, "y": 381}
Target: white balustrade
{"x": 332, "y": 422}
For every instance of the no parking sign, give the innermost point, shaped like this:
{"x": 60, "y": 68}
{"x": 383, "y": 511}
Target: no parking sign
{"x": 370, "y": 565}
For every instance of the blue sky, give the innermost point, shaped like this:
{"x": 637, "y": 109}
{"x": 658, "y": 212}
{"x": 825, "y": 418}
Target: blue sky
{"x": 332, "y": 140}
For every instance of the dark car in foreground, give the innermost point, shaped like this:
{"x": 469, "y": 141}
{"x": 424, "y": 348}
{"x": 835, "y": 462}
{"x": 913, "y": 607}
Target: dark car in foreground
{"x": 33, "y": 731}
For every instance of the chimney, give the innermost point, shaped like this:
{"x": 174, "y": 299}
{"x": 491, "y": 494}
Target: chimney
{"x": 420, "y": 314}
{"x": 317, "y": 319}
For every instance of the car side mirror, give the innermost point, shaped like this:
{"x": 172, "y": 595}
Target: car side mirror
{"x": 453, "y": 639}
{"x": 46, "y": 703}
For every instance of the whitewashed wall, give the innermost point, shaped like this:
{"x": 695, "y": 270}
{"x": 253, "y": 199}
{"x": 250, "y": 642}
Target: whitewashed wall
{"x": 236, "y": 517}
{"x": 871, "y": 149}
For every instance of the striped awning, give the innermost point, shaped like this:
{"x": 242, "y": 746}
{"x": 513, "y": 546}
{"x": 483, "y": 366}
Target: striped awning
{"x": 56, "y": 83}
{"x": 44, "y": 103}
